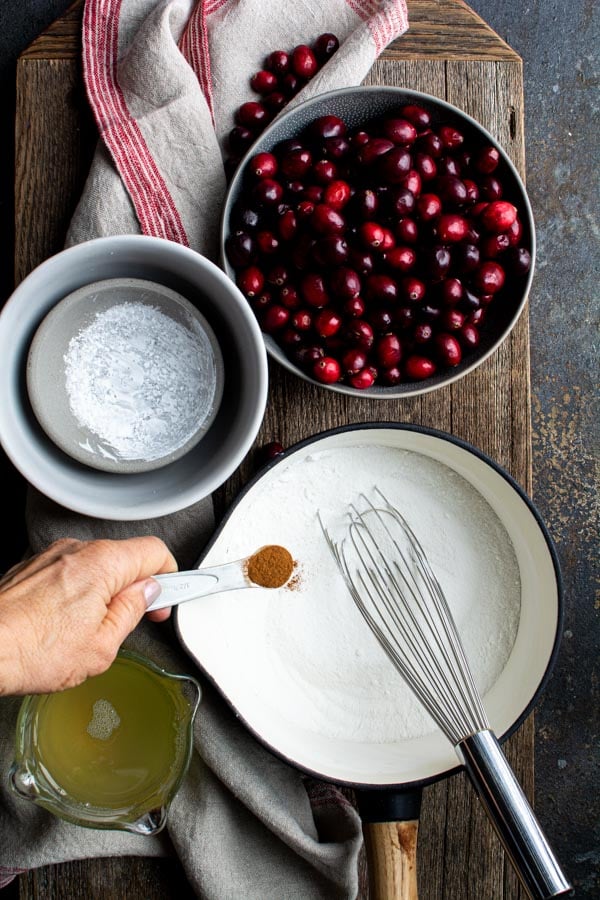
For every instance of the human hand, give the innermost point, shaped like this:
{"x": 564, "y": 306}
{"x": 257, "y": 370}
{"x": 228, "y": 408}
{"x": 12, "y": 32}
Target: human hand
{"x": 65, "y": 612}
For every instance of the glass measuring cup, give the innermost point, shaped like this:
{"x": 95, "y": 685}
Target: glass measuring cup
{"x": 111, "y": 752}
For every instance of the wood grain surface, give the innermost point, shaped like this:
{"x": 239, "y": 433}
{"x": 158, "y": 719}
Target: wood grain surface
{"x": 451, "y": 53}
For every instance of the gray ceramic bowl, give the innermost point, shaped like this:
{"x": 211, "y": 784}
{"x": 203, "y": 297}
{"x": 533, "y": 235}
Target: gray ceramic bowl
{"x": 358, "y": 107}
{"x": 203, "y": 468}
{"x": 118, "y": 400}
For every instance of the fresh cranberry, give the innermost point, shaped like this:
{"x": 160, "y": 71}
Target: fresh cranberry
{"x": 261, "y": 302}
{"x": 302, "y": 320}
{"x": 268, "y": 192}
{"x": 423, "y": 333}
{"x": 278, "y": 62}
{"x": 401, "y": 258}
{"x": 278, "y": 275}
{"x": 308, "y": 355}
{"x": 489, "y": 277}
{"x": 452, "y": 189}
{"x": 431, "y": 145}
{"x": 252, "y": 115}
{"x": 327, "y": 370}
{"x": 361, "y": 260}
{"x": 389, "y": 350}
{"x": 413, "y": 289}
{"x": 452, "y": 228}
{"x": 332, "y": 249}
{"x": 515, "y": 232}
{"x": 413, "y": 182}
{"x": 472, "y": 190}
{"x": 345, "y": 283}
{"x": 381, "y": 319}
{"x": 448, "y": 349}
{"x": 419, "y": 367}
{"x": 372, "y": 151}
{"x": 275, "y": 102}
{"x": 452, "y": 291}
{"x": 372, "y": 234}
{"x": 448, "y": 165}
{"x": 429, "y": 207}
{"x": 251, "y": 281}
{"x": 407, "y": 231}
{"x": 477, "y": 316}
{"x": 290, "y": 84}
{"x": 389, "y": 241}
{"x": 400, "y": 131}
{"x": 469, "y": 336}
{"x": 328, "y": 126}
{"x": 270, "y": 451}
{"x": 365, "y": 203}
{"x": 263, "y": 82}
{"x": 274, "y": 318}
{"x": 314, "y": 193}
{"x": 324, "y": 171}
{"x": 419, "y": 117}
{"x": 326, "y": 220}
{"x": 403, "y": 202}
{"x": 313, "y": 290}
{"x": 490, "y": 188}
{"x": 391, "y": 376}
{"x": 450, "y": 137}
{"x": 466, "y": 257}
{"x": 327, "y": 323}
{"x": 296, "y": 163}
{"x": 304, "y": 210}
{"x": 359, "y": 333}
{"x": 425, "y": 166}
{"x": 404, "y": 317}
{"x": 518, "y": 260}
{"x": 291, "y": 338}
{"x": 452, "y": 320}
{"x": 336, "y": 147}
{"x": 267, "y": 242}
{"x": 354, "y": 307}
{"x": 337, "y": 194}
{"x": 325, "y": 46}
{"x": 354, "y": 360}
{"x": 363, "y": 379}
{"x": 263, "y": 165}
{"x": 486, "y": 161}
{"x": 395, "y": 165}
{"x": 304, "y": 62}
{"x": 493, "y": 245}
{"x": 498, "y": 216}
{"x": 240, "y": 249}
{"x": 381, "y": 288}
{"x": 240, "y": 138}
{"x": 289, "y": 297}
{"x": 437, "y": 261}
{"x": 287, "y": 225}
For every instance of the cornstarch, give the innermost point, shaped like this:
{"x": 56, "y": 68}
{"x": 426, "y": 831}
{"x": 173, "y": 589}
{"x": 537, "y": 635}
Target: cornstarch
{"x": 140, "y": 381}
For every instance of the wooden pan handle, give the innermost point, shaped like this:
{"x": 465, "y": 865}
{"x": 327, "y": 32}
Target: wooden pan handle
{"x": 392, "y": 859}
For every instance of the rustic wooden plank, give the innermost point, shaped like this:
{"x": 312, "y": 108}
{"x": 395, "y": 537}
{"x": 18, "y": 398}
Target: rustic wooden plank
{"x": 451, "y": 53}
{"x": 438, "y": 28}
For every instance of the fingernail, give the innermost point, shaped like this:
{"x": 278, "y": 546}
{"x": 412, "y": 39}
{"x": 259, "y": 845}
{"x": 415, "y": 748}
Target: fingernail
{"x": 152, "y": 590}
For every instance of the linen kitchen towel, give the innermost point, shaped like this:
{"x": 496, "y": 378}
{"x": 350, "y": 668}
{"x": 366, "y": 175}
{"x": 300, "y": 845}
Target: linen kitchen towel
{"x": 164, "y": 80}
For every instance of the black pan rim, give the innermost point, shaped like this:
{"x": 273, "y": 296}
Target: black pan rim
{"x": 416, "y": 784}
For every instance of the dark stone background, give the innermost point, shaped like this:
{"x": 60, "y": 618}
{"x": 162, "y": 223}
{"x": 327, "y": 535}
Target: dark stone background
{"x": 558, "y": 43}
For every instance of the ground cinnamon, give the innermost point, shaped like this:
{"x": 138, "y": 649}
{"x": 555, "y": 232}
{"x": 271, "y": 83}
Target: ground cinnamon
{"x": 271, "y": 566}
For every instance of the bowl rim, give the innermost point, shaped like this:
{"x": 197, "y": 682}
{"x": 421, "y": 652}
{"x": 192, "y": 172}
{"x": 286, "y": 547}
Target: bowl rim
{"x": 413, "y": 389}
{"x": 151, "y": 507}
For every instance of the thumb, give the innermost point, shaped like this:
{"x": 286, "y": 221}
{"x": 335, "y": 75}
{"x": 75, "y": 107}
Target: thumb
{"x": 127, "y": 608}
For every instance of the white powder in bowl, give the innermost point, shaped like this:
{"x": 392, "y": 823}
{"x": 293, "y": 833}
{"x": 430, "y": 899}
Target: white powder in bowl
{"x": 141, "y": 382}
{"x": 308, "y": 654}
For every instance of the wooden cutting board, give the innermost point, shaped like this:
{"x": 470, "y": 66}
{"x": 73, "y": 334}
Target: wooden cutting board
{"x": 451, "y": 53}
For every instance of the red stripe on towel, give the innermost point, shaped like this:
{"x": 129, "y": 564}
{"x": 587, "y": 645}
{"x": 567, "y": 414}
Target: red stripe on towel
{"x": 390, "y": 21}
{"x": 194, "y": 46}
{"x": 152, "y": 201}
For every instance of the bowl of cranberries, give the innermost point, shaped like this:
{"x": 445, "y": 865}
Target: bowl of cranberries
{"x": 383, "y": 239}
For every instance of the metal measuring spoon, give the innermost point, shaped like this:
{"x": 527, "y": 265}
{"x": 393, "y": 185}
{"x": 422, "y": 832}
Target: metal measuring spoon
{"x": 179, "y": 587}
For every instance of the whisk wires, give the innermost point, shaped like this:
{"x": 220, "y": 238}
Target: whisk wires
{"x": 393, "y": 586}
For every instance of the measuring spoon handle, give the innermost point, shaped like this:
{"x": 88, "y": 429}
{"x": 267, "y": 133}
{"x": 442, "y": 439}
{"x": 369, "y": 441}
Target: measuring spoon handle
{"x": 179, "y": 587}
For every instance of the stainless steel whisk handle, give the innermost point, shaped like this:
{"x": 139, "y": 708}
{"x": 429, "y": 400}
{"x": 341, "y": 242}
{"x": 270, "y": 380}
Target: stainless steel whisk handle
{"x": 512, "y": 816}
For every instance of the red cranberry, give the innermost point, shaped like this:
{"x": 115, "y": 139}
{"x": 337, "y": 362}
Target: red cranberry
{"x": 389, "y": 350}
{"x": 469, "y": 301}
{"x": 263, "y": 165}
{"x": 490, "y": 187}
{"x": 336, "y": 147}
{"x": 263, "y": 82}
{"x": 493, "y": 245}
{"x": 327, "y": 323}
{"x": 407, "y": 231}
{"x": 486, "y": 161}
{"x": 425, "y": 166}
{"x": 395, "y": 165}
{"x": 413, "y": 289}
{"x": 327, "y": 370}
{"x": 466, "y": 257}
{"x": 291, "y": 338}
{"x": 354, "y": 307}
{"x": 469, "y": 336}
{"x": 270, "y": 451}
{"x": 472, "y": 190}
{"x": 240, "y": 249}
{"x": 302, "y": 320}
{"x": 337, "y": 194}
{"x": 251, "y": 281}
{"x": 404, "y": 317}
{"x": 278, "y": 275}
{"x": 359, "y": 333}
{"x": 452, "y": 189}
{"x": 437, "y": 261}
{"x": 515, "y": 232}
{"x": 324, "y": 171}
{"x": 304, "y": 62}
{"x": 287, "y": 225}
{"x": 365, "y": 203}
{"x": 452, "y": 291}
{"x": 290, "y": 84}
{"x": 372, "y": 234}
{"x": 489, "y": 277}
{"x": 275, "y": 102}
{"x": 402, "y": 258}
{"x": 423, "y": 333}
{"x": 289, "y": 297}
{"x": 345, "y": 283}
{"x": 431, "y": 145}
{"x": 391, "y": 376}
{"x": 305, "y": 209}
{"x": 429, "y": 207}
{"x": 450, "y": 137}
{"x": 413, "y": 182}
{"x": 381, "y": 320}
{"x": 477, "y": 316}
{"x": 331, "y": 250}
{"x": 326, "y": 220}
{"x": 261, "y": 302}
{"x": 278, "y": 62}
{"x": 325, "y": 46}
{"x": 400, "y": 131}
{"x": 308, "y": 355}
{"x": 372, "y": 151}
{"x": 244, "y": 219}
{"x": 240, "y": 139}
{"x": 519, "y": 260}
{"x": 389, "y": 241}
{"x": 452, "y": 228}
{"x": 419, "y": 117}
{"x": 252, "y": 114}
{"x": 296, "y": 163}
{"x": 381, "y": 288}
{"x": 266, "y": 242}
{"x": 268, "y": 192}
{"x": 327, "y": 127}
{"x": 274, "y": 318}
{"x": 361, "y": 261}
{"x": 419, "y": 367}
{"x": 452, "y": 320}
{"x": 314, "y": 291}
{"x": 448, "y": 349}
{"x": 448, "y": 166}
{"x": 354, "y": 360}
{"x": 403, "y": 202}
{"x": 314, "y": 193}
{"x": 363, "y": 379}
{"x": 498, "y": 216}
